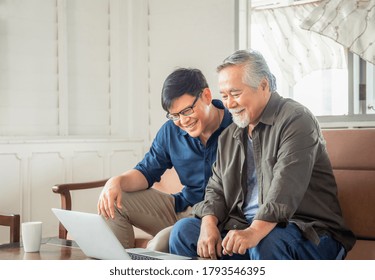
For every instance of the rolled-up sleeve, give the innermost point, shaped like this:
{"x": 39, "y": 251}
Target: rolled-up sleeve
{"x": 157, "y": 159}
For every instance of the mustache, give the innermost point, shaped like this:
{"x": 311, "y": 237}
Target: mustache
{"x": 234, "y": 111}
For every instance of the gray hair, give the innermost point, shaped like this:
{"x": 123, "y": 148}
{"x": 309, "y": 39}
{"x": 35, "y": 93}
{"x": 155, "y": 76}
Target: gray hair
{"x": 256, "y": 68}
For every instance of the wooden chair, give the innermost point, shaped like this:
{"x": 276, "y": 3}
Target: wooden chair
{"x": 66, "y": 199}
{"x": 169, "y": 183}
{"x": 13, "y": 222}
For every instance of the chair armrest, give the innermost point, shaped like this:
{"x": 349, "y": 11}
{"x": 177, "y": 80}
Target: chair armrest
{"x": 60, "y": 188}
{"x": 66, "y": 199}
{"x": 13, "y": 222}
{"x": 64, "y": 190}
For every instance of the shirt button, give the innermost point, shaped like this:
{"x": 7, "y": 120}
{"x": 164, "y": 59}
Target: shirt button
{"x": 235, "y": 226}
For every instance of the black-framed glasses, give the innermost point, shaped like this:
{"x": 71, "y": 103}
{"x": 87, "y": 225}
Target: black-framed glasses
{"x": 185, "y": 112}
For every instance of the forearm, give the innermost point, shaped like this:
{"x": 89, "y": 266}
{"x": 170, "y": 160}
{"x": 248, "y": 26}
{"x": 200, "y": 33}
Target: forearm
{"x": 130, "y": 181}
{"x": 260, "y": 229}
{"x": 209, "y": 220}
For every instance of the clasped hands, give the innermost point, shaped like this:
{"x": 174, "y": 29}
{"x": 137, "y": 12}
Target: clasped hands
{"x": 210, "y": 244}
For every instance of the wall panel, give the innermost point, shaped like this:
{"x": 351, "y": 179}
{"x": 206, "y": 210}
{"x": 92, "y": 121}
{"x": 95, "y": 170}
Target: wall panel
{"x": 10, "y": 182}
{"x": 45, "y": 170}
{"x": 30, "y": 168}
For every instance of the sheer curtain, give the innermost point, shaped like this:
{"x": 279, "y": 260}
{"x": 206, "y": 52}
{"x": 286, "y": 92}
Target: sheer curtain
{"x": 348, "y": 22}
{"x": 298, "y": 52}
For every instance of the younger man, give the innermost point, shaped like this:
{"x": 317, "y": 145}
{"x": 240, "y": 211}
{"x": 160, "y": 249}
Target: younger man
{"x": 187, "y": 142}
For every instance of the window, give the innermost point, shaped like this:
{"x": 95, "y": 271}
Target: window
{"x": 334, "y": 83}
{"x": 322, "y": 92}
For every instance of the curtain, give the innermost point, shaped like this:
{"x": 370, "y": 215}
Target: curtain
{"x": 348, "y": 22}
{"x": 298, "y": 52}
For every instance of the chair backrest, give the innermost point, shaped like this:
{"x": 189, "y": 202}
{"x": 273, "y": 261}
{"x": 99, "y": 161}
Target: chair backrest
{"x": 13, "y": 222}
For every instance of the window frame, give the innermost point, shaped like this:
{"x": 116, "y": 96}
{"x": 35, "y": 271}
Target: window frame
{"x": 350, "y": 120}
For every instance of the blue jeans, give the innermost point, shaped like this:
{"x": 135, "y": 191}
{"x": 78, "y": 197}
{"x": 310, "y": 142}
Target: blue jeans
{"x": 282, "y": 243}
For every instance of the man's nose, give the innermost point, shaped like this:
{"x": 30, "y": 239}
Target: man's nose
{"x": 230, "y": 102}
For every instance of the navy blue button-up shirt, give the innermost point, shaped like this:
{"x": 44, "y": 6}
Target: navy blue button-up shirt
{"x": 174, "y": 147}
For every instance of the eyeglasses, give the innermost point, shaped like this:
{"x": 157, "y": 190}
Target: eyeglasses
{"x": 185, "y": 112}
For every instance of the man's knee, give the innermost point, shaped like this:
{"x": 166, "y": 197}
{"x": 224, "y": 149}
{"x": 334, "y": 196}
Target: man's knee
{"x": 184, "y": 237}
{"x": 186, "y": 227}
{"x": 180, "y": 226}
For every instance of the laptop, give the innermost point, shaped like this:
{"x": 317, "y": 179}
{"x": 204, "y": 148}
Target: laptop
{"x": 96, "y": 239}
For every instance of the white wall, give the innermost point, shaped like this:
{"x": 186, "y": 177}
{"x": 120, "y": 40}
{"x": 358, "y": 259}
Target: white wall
{"x": 29, "y": 169}
{"x": 151, "y": 39}
{"x": 193, "y": 33}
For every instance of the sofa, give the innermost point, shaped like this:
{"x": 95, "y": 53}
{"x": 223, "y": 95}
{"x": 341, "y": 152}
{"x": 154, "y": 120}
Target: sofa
{"x": 352, "y": 154}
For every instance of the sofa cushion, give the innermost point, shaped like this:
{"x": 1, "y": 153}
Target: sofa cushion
{"x": 356, "y": 191}
{"x": 363, "y": 250}
{"x": 351, "y": 149}
{"x": 352, "y": 155}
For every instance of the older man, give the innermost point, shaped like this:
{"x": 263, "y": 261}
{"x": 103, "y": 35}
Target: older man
{"x": 272, "y": 194}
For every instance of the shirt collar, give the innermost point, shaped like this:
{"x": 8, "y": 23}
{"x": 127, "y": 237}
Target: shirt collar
{"x": 269, "y": 113}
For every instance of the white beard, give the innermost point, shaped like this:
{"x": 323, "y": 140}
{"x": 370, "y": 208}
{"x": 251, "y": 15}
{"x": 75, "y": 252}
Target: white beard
{"x": 241, "y": 120}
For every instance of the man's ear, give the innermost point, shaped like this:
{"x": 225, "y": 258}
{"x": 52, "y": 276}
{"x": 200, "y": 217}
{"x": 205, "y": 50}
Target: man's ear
{"x": 207, "y": 96}
{"x": 264, "y": 85}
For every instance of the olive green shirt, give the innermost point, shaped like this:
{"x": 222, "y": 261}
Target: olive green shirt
{"x": 295, "y": 177}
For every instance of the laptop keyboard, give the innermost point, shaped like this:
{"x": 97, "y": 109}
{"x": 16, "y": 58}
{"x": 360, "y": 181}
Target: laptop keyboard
{"x": 141, "y": 257}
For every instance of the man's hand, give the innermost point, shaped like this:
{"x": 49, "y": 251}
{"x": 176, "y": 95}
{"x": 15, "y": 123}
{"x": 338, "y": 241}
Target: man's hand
{"x": 110, "y": 195}
{"x": 238, "y": 241}
{"x": 209, "y": 242}
{"x": 130, "y": 181}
